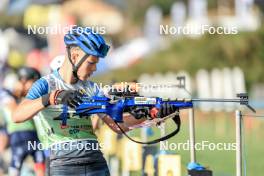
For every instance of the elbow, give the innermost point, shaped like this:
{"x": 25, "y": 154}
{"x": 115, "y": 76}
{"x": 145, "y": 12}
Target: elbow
{"x": 21, "y": 114}
{"x": 16, "y": 118}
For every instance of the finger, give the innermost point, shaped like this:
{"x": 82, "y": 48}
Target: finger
{"x": 81, "y": 93}
{"x": 159, "y": 114}
{"x": 164, "y": 109}
{"x": 79, "y": 100}
{"x": 78, "y": 97}
{"x": 73, "y": 104}
{"x": 170, "y": 109}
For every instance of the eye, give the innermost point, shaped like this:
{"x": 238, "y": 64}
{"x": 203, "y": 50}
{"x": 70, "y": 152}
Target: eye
{"x": 91, "y": 63}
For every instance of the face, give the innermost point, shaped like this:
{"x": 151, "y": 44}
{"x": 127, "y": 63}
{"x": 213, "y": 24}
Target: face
{"x": 28, "y": 84}
{"x": 87, "y": 67}
{"x": 22, "y": 87}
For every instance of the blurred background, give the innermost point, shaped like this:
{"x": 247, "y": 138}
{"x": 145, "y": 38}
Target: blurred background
{"x": 215, "y": 65}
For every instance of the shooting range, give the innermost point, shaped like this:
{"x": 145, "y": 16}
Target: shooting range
{"x": 167, "y": 88}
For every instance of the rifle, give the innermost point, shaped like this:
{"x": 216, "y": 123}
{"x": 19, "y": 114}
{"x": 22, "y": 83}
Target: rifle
{"x": 121, "y": 102}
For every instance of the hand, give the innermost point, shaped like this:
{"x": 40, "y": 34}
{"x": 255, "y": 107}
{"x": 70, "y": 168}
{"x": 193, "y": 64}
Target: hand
{"x": 165, "y": 110}
{"x": 138, "y": 112}
{"x": 71, "y": 98}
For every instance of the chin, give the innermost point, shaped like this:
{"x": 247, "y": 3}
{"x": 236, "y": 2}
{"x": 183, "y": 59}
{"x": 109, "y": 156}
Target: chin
{"x": 84, "y": 78}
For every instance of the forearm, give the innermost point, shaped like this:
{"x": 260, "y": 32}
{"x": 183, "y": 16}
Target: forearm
{"x": 128, "y": 119}
{"x": 111, "y": 124}
{"x": 27, "y": 109}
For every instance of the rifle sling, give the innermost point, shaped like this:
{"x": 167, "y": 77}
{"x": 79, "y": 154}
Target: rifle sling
{"x": 176, "y": 120}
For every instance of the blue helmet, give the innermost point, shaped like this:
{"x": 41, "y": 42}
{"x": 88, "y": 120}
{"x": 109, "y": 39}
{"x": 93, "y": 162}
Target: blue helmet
{"x": 91, "y": 43}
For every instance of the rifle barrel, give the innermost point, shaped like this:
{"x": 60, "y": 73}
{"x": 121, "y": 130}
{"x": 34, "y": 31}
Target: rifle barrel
{"x": 219, "y": 100}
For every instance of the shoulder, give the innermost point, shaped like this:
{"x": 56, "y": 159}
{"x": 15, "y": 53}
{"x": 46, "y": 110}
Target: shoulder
{"x": 41, "y": 83}
{"x": 39, "y": 88}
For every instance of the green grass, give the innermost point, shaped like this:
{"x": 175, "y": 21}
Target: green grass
{"x": 220, "y": 128}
